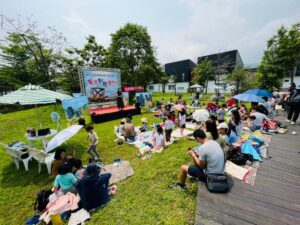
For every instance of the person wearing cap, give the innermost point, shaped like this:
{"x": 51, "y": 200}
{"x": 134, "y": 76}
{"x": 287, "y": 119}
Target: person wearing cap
{"x": 144, "y": 128}
{"x": 223, "y": 131}
{"x": 93, "y": 188}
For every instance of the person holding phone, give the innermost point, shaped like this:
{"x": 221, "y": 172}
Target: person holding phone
{"x": 208, "y": 159}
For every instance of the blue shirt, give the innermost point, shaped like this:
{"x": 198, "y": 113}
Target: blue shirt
{"x": 65, "y": 181}
{"x": 233, "y": 138}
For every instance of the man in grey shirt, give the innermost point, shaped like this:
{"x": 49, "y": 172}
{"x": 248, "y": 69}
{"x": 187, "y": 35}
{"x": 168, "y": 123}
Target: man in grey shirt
{"x": 209, "y": 158}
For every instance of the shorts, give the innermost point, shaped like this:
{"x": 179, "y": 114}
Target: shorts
{"x": 197, "y": 172}
{"x": 182, "y": 126}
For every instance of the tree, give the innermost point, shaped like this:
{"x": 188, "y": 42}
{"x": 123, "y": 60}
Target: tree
{"x": 242, "y": 79}
{"x": 91, "y": 55}
{"x": 35, "y": 49}
{"x": 164, "y": 79}
{"x": 132, "y": 52}
{"x": 280, "y": 58}
{"x": 202, "y": 72}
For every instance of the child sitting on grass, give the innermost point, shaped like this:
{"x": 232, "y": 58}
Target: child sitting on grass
{"x": 79, "y": 169}
{"x": 144, "y": 128}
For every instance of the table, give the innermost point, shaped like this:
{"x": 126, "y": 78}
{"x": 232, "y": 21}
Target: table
{"x": 42, "y": 138}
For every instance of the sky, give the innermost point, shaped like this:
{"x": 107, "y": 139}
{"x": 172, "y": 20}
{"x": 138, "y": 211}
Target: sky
{"x": 180, "y": 29}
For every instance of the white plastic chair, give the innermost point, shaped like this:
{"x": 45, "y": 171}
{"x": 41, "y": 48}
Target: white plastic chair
{"x": 42, "y": 158}
{"x": 15, "y": 154}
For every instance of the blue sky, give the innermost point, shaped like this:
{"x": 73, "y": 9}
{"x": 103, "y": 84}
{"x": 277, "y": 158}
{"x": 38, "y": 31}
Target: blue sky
{"x": 180, "y": 29}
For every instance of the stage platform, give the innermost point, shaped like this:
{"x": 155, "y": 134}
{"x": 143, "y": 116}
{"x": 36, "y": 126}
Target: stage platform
{"x": 111, "y": 113}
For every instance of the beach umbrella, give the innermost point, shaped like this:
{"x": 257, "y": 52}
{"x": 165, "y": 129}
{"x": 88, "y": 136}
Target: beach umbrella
{"x": 178, "y": 107}
{"x": 259, "y": 92}
{"x": 201, "y": 115}
{"x": 248, "y": 98}
{"x": 33, "y": 95}
{"x": 62, "y": 137}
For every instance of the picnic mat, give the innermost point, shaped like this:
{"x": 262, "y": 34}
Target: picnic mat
{"x": 176, "y": 133}
{"x": 247, "y": 173}
{"x": 119, "y": 173}
{"x": 235, "y": 170}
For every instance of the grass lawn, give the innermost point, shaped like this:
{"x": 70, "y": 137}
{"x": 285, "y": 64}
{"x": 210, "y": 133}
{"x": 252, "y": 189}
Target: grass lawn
{"x": 142, "y": 199}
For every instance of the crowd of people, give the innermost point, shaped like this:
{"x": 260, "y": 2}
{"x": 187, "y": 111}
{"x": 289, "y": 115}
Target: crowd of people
{"x": 224, "y": 127}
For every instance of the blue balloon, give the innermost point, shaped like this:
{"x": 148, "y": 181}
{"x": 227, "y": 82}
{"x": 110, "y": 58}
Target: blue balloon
{"x": 55, "y": 116}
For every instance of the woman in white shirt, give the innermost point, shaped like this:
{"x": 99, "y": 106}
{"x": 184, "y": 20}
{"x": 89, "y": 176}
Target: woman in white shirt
{"x": 158, "y": 140}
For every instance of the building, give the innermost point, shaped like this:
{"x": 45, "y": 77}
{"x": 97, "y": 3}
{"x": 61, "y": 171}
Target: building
{"x": 180, "y": 74}
{"x": 223, "y": 62}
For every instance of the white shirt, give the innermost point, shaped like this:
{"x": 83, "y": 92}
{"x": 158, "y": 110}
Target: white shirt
{"x": 259, "y": 118}
{"x": 169, "y": 125}
{"x": 93, "y": 138}
{"x": 182, "y": 119}
{"x": 159, "y": 139}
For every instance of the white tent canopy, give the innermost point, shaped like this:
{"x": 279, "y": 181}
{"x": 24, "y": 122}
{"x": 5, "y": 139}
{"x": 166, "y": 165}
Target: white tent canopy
{"x": 196, "y": 86}
{"x": 32, "y": 95}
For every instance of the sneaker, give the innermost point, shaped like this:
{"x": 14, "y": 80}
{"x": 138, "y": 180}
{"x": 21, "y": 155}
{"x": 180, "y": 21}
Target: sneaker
{"x": 177, "y": 186}
{"x": 288, "y": 121}
{"x": 293, "y": 123}
{"x": 148, "y": 156}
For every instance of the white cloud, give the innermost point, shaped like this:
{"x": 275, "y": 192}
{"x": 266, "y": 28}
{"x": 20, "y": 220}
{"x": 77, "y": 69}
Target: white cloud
{"x": 215, "y": 26}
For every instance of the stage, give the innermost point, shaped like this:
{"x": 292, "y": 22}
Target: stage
{"x": 111, "y": 113}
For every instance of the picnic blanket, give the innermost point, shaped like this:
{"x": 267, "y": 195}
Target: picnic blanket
{"x": 118, "y": 173}
{"x": 176, "y": 133}
{"x": 247, "y": 174}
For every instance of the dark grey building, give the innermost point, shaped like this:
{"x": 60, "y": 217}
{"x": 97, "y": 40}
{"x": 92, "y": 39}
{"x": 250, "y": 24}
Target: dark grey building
{"x": 181, "y": 69}
{"x": 223, "y": 62}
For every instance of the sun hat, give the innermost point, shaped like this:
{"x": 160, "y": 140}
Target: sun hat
{"x": 222, "y": 126}
{"x": 144, "y": 120}
{"x": 123, "y": 120}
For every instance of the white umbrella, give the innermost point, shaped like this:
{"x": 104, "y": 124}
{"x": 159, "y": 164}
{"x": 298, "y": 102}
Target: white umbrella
{"x": 201, "y": 115}
{"x": 62, "y": 137}
{"x": 196, "y": 86}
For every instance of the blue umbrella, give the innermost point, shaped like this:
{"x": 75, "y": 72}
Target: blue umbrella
{"x": 248, "y": 98}
{"x": 259, "y": 92}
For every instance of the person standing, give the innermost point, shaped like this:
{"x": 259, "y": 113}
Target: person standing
{"x": 221, "y": 113}
{"x": 294, "y": 108}
{"x": 93, "y": 139}
{"x": 182, "y": 121}
{"x": 120, "y": 103}
{"x": 169, "y": 124}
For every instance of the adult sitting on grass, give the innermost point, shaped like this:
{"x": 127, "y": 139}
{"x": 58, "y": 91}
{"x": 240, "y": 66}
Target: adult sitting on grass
{"x": 94, "y": 189}
{"x": 60, "y": 158}
{"x": 65, "y": 180}
{"x": 208, "y": 159}
{"x": 129, "y": 132}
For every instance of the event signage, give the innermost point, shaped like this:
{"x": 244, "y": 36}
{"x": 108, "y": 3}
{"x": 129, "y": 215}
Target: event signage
{"x": 99, "y": 84}
{"x": 133, "y": 88}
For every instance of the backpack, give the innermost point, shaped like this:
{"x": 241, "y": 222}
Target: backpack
{"x": 42, "y": 200}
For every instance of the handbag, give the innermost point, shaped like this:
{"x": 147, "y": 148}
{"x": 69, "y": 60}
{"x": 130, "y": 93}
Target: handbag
{"x": 217, "y": 182}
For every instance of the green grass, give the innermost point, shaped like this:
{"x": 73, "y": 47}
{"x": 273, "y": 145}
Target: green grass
{"x": 142, "y": 199}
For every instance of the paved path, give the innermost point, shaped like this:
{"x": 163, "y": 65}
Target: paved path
{"x": 275, "y": 198}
